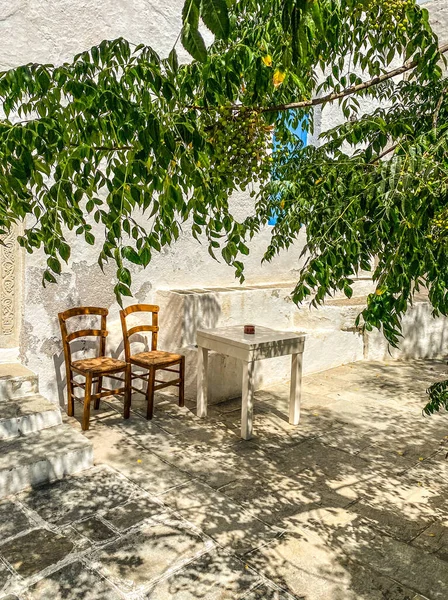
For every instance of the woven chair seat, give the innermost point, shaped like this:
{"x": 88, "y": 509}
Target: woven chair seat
{"x": 155, "y": 358}
{"x": 99, "y": 365}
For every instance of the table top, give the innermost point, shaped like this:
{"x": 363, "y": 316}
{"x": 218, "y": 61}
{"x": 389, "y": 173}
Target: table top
{"x": 235, "y": 336}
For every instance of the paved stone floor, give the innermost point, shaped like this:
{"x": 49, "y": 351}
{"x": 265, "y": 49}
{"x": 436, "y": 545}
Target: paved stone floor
{"x": 351, "y": 504}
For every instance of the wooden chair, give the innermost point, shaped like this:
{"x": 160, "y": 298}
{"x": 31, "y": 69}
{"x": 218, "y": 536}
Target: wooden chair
{"x": 152, "y": 361}
{"x": 93, "y": 369}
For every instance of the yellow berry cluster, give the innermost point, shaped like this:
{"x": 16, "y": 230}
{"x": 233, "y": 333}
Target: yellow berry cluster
{"x": 241, "y": 142}
{"x": 389, "y": 13}
{"x": 439, "y": 225}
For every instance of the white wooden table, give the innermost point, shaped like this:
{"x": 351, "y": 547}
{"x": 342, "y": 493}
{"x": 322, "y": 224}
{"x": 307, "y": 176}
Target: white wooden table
{"x": 265, "y": 343}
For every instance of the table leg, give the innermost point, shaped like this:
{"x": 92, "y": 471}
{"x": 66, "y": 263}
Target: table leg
{"x": 296, "y": 389}
{"x": 202, "y": 392}
{"x": 247, "y": 408}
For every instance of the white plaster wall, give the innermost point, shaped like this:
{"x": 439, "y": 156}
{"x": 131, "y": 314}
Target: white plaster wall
{"x": 423, "y": 337}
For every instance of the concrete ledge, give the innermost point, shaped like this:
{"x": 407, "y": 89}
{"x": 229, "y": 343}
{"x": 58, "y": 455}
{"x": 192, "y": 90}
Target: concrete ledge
{"x": 16, "y": 381}
{"x": 423, "y": 337}
{"x": 48, "y": 455}
{"x": 27, "y": 415}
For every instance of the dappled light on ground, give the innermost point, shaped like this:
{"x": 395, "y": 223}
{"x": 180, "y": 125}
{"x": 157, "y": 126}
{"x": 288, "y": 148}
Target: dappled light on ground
{"x": 349, "y": 505}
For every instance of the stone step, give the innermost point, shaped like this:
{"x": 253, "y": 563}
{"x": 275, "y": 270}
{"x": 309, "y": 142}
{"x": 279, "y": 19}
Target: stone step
{"x": 23, "y": 416}
{"x": 16, "y": 381}
{"x": 41, "y": 457}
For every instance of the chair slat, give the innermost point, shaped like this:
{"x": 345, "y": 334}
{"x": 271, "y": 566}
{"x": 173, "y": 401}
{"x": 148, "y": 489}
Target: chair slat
{"x": 139, "y": 328}
{"x": 86, "y": 333}
{"x": 83, "y": 310}
{"x": 140, "y": 308}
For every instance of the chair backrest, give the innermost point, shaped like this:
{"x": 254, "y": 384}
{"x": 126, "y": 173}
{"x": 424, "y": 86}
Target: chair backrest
{"x": 79, "y": 312}
{"x": 127, "y": 333}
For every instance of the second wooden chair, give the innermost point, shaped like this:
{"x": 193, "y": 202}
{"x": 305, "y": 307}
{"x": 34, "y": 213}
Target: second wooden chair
{"x": 153, "y": 360}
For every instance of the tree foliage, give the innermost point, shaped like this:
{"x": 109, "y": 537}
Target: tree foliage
{"x": 143, "y": 146}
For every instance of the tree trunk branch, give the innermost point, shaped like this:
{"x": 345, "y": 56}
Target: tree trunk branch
{"x": 352, "y": 89}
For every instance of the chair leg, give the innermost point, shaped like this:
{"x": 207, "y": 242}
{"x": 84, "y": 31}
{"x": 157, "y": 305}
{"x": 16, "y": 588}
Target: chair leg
{"x": 99, "y": 387}
{"x": 150, "y": 393}
{"x": 127, "y": 392}
{"x": 70, "y": 401}
{"x": 87, "y": 400}
{"x": 182, "y": 382}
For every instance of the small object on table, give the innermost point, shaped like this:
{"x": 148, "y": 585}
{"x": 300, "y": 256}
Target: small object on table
{"x": 265, "y": 343}
{"x": 249, "y": 329}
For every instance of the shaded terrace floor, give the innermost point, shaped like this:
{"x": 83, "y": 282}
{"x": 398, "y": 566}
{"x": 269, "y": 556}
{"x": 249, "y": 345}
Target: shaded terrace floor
{"x": 351, "y": 504}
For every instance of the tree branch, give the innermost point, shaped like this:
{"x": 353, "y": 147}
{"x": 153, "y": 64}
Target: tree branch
{"x": 386, "y": 152}
{"x": 438, "y": 107}
{"x": 352, "y": 89}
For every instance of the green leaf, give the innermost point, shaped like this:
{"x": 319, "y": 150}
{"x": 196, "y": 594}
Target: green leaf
{"x": 190, "y": 13}
{"x": 64, "y": 251}
{"x": 124, "y": 275}
{"x": 215, "y": 15}
{"x": 54, "y": 265}
{"x": 193, "y": 42}
{"x": 131, "y": 255}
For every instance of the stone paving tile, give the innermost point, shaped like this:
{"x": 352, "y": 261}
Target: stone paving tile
{"x": 406, "y": 381}
{"x": 412, "y": 567}
{"x": 272, "y": 499}
{"x": 251, "y": 458}
{"x": 73, "y": 582}
{"x": 267, "y": 592}
{"x": 434, "y": 539}
{"x": 338, "y": 508}
{"x": 391, "y": 521}
{"x": 349, "y": 439}
{"x": 332, "y": 471}
{"x": 216, "y": 466}
{"x": 313, "y": 453}
{"x": 399, "y": 506}
{"x": 94, "y": 529}
{"x": 31, "y": 553}
{"x": 321, "y": 520}
{"x": 13, "y": 520}
{"x": 80, "y": 496}
{"x": 213, "y": 576}
{"x": 127, "y": 515}
{"x": 115, "y": 448}
{"x": 5, "y": 577}
{"x": 230, "y": 525}
{"x": 438, "y": 464}
{"x": 276, "y": 398}
{"x": 303, "y": 564}
{"x": 363, "y": 412}
{"x": 190, "y": 496}
{"x": 147, "y": 553}
{"x": 397, "y": 458}
{"x": 273, "y": 433}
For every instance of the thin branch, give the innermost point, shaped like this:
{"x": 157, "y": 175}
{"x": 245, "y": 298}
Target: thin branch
{"x": 438, "y": 107}
{"x": 353, "y": 89}
{"x": 386, "y": 152}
